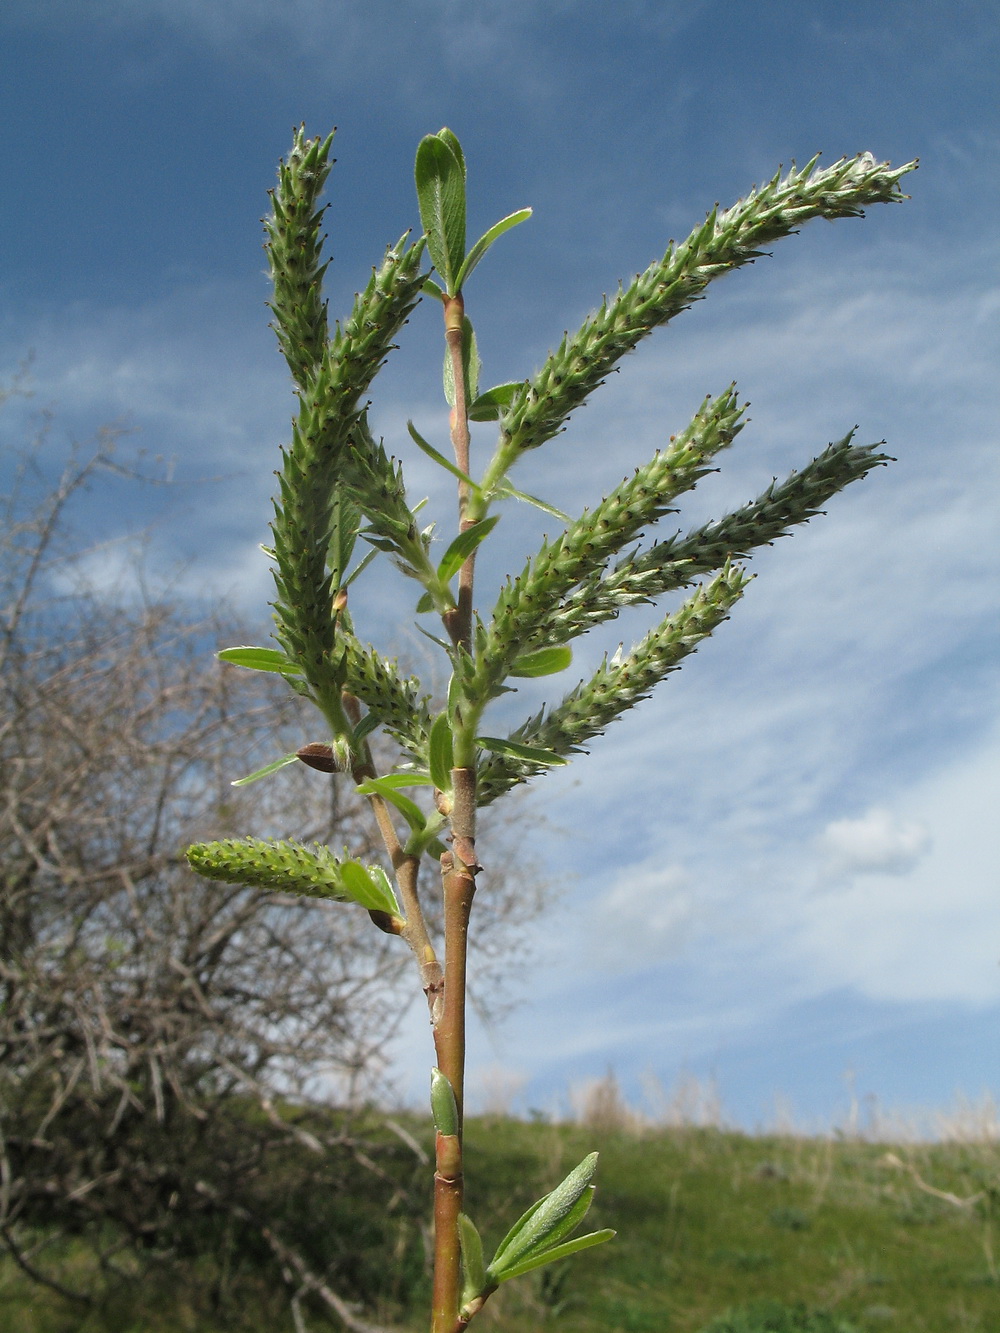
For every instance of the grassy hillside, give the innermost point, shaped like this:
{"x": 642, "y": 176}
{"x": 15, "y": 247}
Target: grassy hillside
{"x": 706, "y": 1219}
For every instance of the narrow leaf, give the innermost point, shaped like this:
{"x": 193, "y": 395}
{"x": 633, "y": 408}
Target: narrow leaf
{"x": 529, "y": 753}
{"x": 487, "y": 239}
{"x": 441, "y": 195}
{"x": 383, "y": 787}
{"x": 550, "y": 1256}
{"x": 392, "y": 782}
{"x": 439, "y": 458}
{"x": 260, "y": 659}
{"x": 345, "y": 522}
{"x": 359, "y": 568}
{"x": 545, "y": 662}
{"x": 431, "y": 288}
{"x": 263, "y": 772}
{"x": 463, "y": 546}
{"x": 440, "y": 753}
{"x": 505, "y": 491}
{"x": 364, "y": 729}
{"x": 448, "y": 647}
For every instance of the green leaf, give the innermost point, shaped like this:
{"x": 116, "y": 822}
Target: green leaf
{"x": 529, "y": 753}
{"x": 263, "y": 772}
{"x": 470, "y": 363}
{"x": 387, "y": 789}
{"x": 489, "y": 405}
{"x": 345, "y": 523}
{"x": 440, "y": 752}
{"x": 518, "y": 1226}
{"x": 423, "y": 839}
{"x": 472, "y": 1259}
{"x": 448, "y": 647}
{"x": 463, "y": 546}
{"x": 426, "y": 603}
{"x": 505, "y": 491}
{"x": 550, "y": 1256}
{"x": 487, "y": 239}
{"x": 364, "y": 729}
{"x": 544, "y": 662}
{"x": 359, "y": 568}
{"x": 440, "y": 184}
{"x": 384, "y": 886}
{"x": 451, "y": 139}
{"x": 393, "y": 781}
{"x": 440, "y": 459}
{"x": 431, "y": 288}
{"x": 546, "y": 1221}
{"x": 260, "y": 659}
{"x": 510, "y": 1255}
{"x": 364, "y": 888}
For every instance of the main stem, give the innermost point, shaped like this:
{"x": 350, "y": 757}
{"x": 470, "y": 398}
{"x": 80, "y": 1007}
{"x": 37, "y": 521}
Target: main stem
{"x": 458, "y": 868}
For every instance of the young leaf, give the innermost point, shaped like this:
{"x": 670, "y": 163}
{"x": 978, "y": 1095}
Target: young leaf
{"x": 505, "y": 491}
{"x": 364, "y": 729}
{"x": 440, "y": 459}
{"x": 383, "y": 887}
{"x": 563, "y": 1251}
{"x": 260, "y": 659}
{"x": 440, "y": 753}
{"x": 345, "y": 522}
{"x": 472, "y": 1259}
{"x": 463, "y": 546}
{"x": 441, "y": 195}
{"x": 263, "y": 772}
{"x": 425, "y": 838}
{"x": 359, "y": 568}
{"x": 470, "y": 362}
{"x": 529, "y": 753}
{"x": 392, "y": 782}
{"x": 489, "y": 405}
{"x": 365, "y": 889}
{"x": 487, "y": 239}
{"x": 545, "y": 662}
{"x": 545, "y": 1221}
{"x": 387, "y": 789}
{"x": 451, "y": 139}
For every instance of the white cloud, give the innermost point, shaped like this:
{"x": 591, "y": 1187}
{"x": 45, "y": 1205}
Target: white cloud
{"x": 879, "y": 842}
{"x": 644, "y": 918}
{"x": 929, "y": 930}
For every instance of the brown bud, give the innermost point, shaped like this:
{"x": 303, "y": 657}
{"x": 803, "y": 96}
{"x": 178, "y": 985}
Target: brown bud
{"x": 318, "y": 756}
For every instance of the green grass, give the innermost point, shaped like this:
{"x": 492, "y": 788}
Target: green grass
{"x": 708, "y": 1221}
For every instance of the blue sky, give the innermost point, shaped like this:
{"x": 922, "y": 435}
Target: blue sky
{"x": 784, "y": 866}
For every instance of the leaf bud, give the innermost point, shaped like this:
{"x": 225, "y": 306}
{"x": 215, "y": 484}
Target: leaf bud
{"x": 318, "y": 756}
{"x": 444, "y": 1108}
